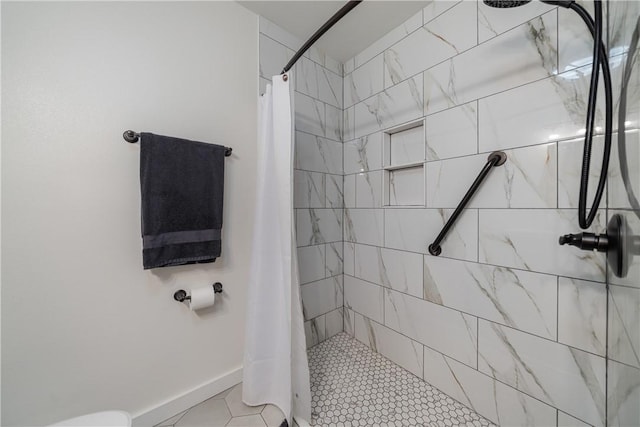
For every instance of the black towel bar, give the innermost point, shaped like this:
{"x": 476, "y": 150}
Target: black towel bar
{"x": 496, "y": 158}
{"x": 133, "y": 137}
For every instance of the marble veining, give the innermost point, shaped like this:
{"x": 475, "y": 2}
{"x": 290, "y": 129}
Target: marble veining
{"x": 516, "y": 57}
{"x": 363, "y": 154}
{"x": 520, "y": 299}
{"x": 393, "y": 106}
{"x": 545, "y": 370}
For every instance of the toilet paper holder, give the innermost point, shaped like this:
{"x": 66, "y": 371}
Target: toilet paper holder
{"x": 181, "y": 295}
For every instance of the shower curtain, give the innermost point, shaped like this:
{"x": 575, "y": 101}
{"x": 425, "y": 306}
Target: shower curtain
{"x": 275, "y": 360}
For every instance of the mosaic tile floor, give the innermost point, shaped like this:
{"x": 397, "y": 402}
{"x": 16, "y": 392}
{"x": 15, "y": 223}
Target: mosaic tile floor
{"x": 352, "y": 386}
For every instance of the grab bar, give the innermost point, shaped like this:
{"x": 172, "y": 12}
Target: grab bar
{"x": 497, "y": 158}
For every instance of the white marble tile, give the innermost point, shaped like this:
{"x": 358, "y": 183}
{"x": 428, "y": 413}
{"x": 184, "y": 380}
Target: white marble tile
{"x": 493, "y": 21}
{"x": 277, "y": 33}
{"x": 570, "y": 169}
{"x": 314, "y": 153}
{"x": 624, "y": 395}
{"x": 624, "y": 325}
{"x": 334, "y": 191}
{"x": 349, "y": 66}
{"x": 398, "y": 270}
{"x": 566, "y": 420}
{"x": 415, "y": 229}
{"x": 398, "y": 33}
{"x": 447, "y": 331}
{"x": 315, "y": 330}
{"x": 436, "y": 8}
{"x": 397, "y": 348}
{"x": 447, "y": 35}
{"x": 396, "y": 105}
{"x": 520, "y": 299}
{"x": 333, "y": 66}
{"x": 364, "y": 298}
{"x": 349, "y": 258}
{"x": 363, "y": 154}
{"x": 519, "y": 56}
{"x": 582, "y": 315}
{"x": 406, "y": 146}
{"x": 308, "y": 189}
{"x": 453, "y": 132}
{"x": 617, "y": 192}
{"x": 311, "y": 263}
{"x": 364, "y": 226}
{"x": 350, "y": 191}
{"x": 567, "y": 378}
{"x": 315, "y": 226}
{"x": 308, "y": 77}
{"x": 406, "y": 187}
{"x": 273, "y": 57}
{"x": 348, "y": 124}
{"x": 330, "y": 87}
{"x": 369, "y": 189}
{"x": 320, "y": 297}
{"x": 309, "y": 115}
{"x": 333, "y": 118}
{"x": 528, "y": 239}
{"x": 546, "y": 110}
{"x": 365, "y": 81}
{"x": 333, "y": 322}
{"x": 575, "y": 43}
{"x": 334, "y": 259}
{"x": 349, "y": 321}
{"x": 527, "y": 180}
{"x": 501, "y": 404}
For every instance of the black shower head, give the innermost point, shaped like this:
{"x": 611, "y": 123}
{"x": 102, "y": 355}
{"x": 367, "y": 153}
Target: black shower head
{"x": 503, "y": 4}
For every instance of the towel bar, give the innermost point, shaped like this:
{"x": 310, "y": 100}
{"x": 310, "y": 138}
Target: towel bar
{"x": 133, "y": 137}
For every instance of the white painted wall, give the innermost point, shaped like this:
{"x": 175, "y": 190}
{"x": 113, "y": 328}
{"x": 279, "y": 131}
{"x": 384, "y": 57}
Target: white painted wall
{"x": 84, "y": 328}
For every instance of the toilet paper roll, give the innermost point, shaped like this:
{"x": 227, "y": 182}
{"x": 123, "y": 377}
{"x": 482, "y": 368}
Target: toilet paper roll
{"x": 202, "y": 298}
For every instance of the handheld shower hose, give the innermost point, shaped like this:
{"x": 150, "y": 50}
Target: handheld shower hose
{"x": 600, "y": 61}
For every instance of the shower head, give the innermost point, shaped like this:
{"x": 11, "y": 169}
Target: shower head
{"x": 503, "y": 4}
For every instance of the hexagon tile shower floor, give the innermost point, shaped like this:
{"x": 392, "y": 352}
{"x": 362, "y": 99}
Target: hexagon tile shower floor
{"x": 352, "y": 386}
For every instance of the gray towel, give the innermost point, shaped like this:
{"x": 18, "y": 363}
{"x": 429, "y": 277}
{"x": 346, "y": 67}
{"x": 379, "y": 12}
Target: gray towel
{"x": 182, "y": 188}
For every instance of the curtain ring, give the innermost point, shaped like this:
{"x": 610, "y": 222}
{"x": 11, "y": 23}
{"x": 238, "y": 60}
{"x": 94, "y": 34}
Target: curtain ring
{"x": 285, "y": 77}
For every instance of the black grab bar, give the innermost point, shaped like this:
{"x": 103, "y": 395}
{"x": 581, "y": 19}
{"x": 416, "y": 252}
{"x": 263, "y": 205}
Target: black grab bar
{"x": 497, "y": 158}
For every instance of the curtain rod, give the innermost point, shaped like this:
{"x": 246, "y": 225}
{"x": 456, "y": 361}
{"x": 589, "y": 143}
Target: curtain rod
{"x": 325, "y": 27}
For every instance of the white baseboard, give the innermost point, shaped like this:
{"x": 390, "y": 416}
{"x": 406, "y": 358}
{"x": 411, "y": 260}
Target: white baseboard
{"x": 184, "y": 401}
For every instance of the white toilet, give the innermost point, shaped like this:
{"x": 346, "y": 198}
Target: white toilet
{"x": 98, "y": 419}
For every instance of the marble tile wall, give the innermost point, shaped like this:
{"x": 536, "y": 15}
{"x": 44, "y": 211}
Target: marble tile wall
{"x": 505, "y": 320}
{"x": 318, "y": 175}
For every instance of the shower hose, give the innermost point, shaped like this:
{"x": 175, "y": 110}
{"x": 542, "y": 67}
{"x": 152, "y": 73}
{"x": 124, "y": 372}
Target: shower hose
{"x": 600, "y": 60}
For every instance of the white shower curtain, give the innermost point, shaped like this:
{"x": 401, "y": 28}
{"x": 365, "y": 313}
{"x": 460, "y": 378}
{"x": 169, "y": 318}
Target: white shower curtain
{"x": 275, "y": 369}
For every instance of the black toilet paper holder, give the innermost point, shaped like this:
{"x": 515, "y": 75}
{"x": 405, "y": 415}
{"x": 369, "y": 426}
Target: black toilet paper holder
{"x": 181, "y": 295}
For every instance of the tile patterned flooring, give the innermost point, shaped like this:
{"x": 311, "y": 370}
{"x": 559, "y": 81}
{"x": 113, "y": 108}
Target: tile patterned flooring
{"x": 351, "y": 386}
{"x": 226, "y": 409}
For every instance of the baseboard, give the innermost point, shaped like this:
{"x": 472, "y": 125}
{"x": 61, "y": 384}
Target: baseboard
{"x": 184, "y": 401}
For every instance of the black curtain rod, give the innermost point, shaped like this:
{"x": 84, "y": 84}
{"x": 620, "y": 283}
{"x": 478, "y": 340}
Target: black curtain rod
{"x": 335, "y": 18}
{"x": 133, "y": 137}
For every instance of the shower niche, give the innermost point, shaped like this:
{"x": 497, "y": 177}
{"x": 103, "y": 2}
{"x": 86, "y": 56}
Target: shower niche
{"x": 403, "y": 165}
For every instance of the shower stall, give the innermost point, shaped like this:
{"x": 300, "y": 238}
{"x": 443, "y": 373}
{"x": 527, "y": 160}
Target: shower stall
{"x": 505, "y": 326}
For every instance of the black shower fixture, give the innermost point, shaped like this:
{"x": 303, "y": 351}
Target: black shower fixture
{"x": 600, "y": 60}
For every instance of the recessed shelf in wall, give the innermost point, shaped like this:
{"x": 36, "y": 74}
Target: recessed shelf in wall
{"x": 403, "y": 165}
